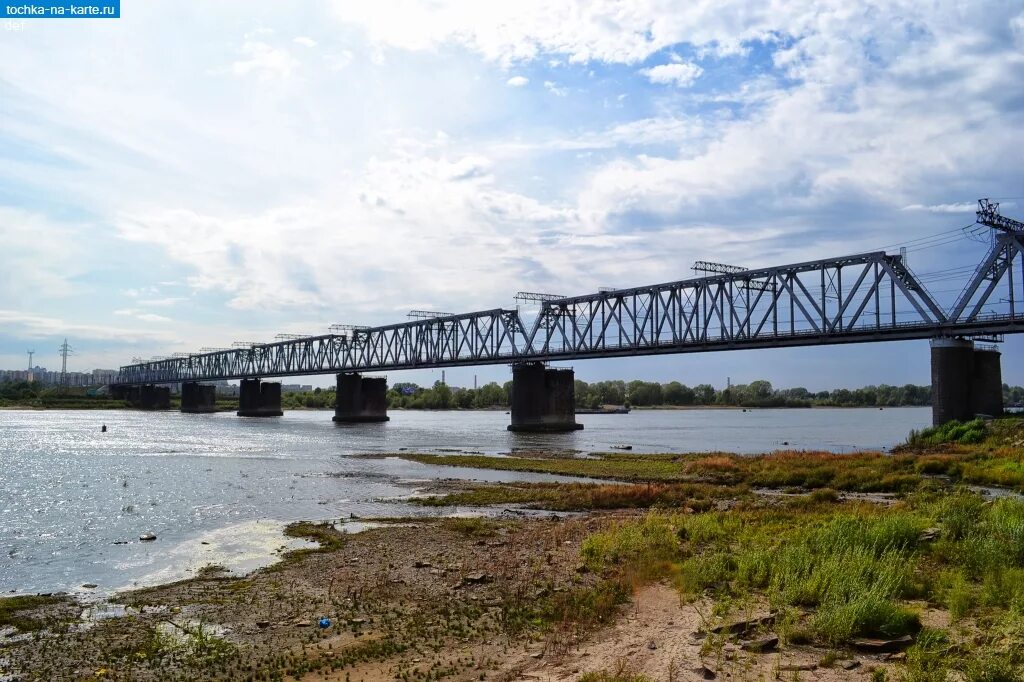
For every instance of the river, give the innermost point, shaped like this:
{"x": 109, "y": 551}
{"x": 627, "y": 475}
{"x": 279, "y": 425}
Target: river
{"x": 218, "y": 488}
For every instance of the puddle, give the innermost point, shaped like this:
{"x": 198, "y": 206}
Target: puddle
{"x": 990, "y": 491}
{"x": 189, "y": 633}
{"x": 352, "y": 527}
{"x": 240, "y": 549}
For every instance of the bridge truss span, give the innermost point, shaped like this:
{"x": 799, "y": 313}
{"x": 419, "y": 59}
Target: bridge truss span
{"x": 825, "y": 300}
{"x": 865, "y": 297}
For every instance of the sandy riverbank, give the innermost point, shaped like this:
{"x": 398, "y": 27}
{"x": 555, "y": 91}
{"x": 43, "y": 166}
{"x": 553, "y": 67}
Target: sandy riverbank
{"x": 855, "y": 567}
{"x": 463, "y": 600}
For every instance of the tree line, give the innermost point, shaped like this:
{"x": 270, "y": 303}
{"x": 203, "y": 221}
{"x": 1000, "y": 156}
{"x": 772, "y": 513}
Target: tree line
{"x": 593, "y": 395}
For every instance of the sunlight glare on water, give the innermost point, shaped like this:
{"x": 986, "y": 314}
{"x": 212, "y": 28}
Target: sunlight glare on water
{"x": 74, "y": 501}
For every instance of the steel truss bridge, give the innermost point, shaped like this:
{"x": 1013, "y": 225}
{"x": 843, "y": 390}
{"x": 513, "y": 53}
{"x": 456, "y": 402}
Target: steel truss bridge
{"x": 860, "y": 298}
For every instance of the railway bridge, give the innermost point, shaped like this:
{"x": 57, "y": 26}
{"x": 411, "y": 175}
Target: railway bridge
{"x": 867, "y": 297}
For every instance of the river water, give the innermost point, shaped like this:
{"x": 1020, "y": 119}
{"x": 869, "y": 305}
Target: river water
{"x": 218, "y": 488}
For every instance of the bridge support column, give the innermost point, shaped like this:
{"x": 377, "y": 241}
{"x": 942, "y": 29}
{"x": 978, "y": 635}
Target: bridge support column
{"x": 150, "y": 397}
{"x": 121, "y": 391}
{"x": 257, "y": 399}
{"x": 543, "y": 399}
{"x": 952, "y": 374}
{"x": 966, "y": 381}
{"x": 361, "y": 399}
{"x": 987, "y": 382}
{"x": 198, "y": 398}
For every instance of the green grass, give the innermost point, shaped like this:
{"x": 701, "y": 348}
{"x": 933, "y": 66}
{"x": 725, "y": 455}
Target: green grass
{"x": 846, "y": 570}
{"x": 642, "y": 545}
{"x": 471, "y": 527}
{"x": 13, "y": 611}
{"x": 329, "y": 539}
{"x": 996, "y": 459}
{"x": 587, "y": 496}
{"x": 962, "y": 433}
{"x": 863, "y": 472}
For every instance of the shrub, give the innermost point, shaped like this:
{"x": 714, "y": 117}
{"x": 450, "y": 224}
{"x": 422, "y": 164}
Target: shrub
{"x": 962, "y": 433}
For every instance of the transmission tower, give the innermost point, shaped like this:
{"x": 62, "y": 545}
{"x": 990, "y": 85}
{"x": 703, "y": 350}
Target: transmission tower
{"x": 65, "y": 351}
{"x": 30, "y": 354}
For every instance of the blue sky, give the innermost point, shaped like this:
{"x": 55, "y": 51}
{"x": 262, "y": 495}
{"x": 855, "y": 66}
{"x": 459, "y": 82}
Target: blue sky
{"x": 197, "y": 173}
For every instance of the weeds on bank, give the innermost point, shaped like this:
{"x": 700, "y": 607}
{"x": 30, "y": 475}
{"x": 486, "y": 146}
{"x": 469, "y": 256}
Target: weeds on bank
{"x": 327, "y": 537}
{"x": 968, "y": 433}
{"x": 834, "y": 572}
{"x": 976, "y": 452}
{"x": 589, "y": 496}
{"x": 12, "y": 611}
{"x": 864, "y": 472}
{"x": 470, "y": 527}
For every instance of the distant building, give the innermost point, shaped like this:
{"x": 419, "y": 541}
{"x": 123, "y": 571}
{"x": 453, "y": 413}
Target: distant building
{"x": 40, "y": 375}
{"x": 224, "y": 388}
{"x": 296, "y": 388}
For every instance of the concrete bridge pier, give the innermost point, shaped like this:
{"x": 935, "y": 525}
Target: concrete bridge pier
{"x": 122, "y": 392}
{"x": 150, "y": 397}
{"x": 257, "y": 399}
{"x": 987, "y": 382}
{"x": 360, "y": 399}
{"x": 198, "y": 398}
{"x": 966, "y": 381}
{"x": 543, "y": 399}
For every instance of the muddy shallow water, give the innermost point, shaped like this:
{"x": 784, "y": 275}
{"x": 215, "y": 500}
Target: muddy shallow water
{"x": 216, "y": 489}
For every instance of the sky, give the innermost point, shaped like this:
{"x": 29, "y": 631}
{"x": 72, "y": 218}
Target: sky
{"x": 197, "y": 173}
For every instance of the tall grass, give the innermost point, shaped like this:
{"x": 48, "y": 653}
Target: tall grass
{"x": 962, "y": 433}
{"x": 642, "y": 546}
{"x": 851, "y": 570}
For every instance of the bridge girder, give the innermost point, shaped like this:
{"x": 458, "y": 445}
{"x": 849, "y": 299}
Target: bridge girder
{"x": 858, "y": 298}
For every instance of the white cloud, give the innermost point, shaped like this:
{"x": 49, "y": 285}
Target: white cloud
{"x": 554, "y": 89}
{"x": 33, "y": 326}
{"x": 305, "y": 41}
{"x": 339, "y": 60}
{"x": 271, "y": 196}
{"x": 264, "y": 60}
{"x": 679, "y": 74}
{"x": 141, "y": 315}
{"x": 585, "y": 30}
{"x": 964, "y": 207}
{"x": 434, "y": 215}
{"x": 664, "y": 130}
{"x": 517, "y": 81}
{"x": 162, "y": 302}
{"x": 39, "y": 257}
{"x": 151, "y": 317}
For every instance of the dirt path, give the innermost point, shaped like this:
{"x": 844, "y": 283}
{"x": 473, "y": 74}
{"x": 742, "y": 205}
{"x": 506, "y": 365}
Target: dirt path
{"x": 657, "y": 637}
